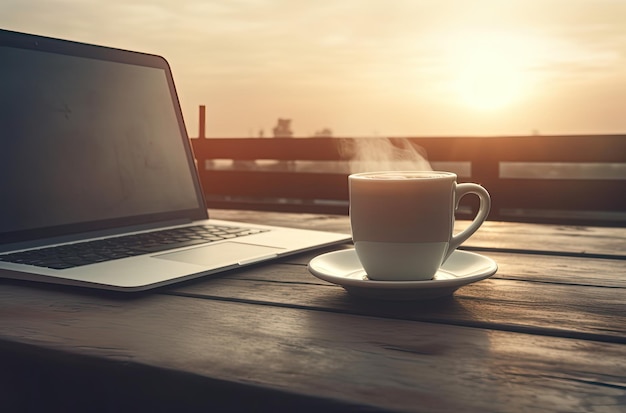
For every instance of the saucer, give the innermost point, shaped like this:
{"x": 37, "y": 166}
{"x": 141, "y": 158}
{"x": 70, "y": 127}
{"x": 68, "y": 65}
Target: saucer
{"x": 344, "y": 268}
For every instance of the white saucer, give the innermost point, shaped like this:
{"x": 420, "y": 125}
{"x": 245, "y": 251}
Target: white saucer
{"x": 343, "y": 268}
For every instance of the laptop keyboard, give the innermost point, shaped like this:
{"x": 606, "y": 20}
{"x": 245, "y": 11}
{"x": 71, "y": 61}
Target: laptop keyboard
{"x": 91, "y": 252}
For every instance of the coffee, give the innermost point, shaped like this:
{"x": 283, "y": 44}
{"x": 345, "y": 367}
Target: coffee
{"x": 403, "y": 175}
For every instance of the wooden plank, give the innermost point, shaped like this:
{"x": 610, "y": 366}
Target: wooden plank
{"x": 36, "y": 379}
{"x": 388, "y": 364}
{"x": 591, "y": 148}
{"x": 548, "y": 269}
{"x": 594, "y": 148}
{"x": 565, "y": 195}
{"x": 491, "y": 236}
{"x": 245, "y": 204}
{"x": 521, "y": 297}
{"x": 275, "y": 184}
{"x": 517, "y": 193}
{"x": 275, "y": 148}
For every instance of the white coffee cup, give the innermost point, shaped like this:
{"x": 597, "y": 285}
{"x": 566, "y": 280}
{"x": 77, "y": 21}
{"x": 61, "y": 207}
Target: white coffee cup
{"x": 403, "y": 221}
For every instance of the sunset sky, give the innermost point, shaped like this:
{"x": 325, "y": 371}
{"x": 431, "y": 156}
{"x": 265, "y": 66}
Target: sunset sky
{"x": 369, "y": 67}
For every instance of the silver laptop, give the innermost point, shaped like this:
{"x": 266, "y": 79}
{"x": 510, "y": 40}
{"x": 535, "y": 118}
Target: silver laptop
{"x": 97, "y": 179}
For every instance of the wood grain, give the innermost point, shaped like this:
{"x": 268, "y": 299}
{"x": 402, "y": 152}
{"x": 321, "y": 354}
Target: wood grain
{"x": 492, "y": 235}
{"x": 546, "y": 333}
{"x": 516, "y": 299}
{"x": 385, "y": 363}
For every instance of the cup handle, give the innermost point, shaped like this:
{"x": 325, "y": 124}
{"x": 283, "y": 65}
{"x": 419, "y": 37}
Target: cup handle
{"x": 483, "y": 211}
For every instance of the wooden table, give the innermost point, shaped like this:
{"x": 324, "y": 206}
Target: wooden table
{"x": 546, "y": 333}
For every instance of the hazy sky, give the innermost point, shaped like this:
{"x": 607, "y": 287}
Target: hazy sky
{"x": 369, "y": 67}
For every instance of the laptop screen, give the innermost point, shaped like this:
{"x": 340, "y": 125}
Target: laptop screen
{"x": 90, "y": 138}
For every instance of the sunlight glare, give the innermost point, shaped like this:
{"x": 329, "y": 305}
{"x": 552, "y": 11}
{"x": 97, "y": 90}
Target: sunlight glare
{"x": 490, "y": 71}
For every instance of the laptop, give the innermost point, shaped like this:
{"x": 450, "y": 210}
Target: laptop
{"x": 98, "y": 182}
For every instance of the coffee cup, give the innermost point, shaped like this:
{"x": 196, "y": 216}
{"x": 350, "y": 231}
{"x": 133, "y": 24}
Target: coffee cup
{"x": 403, "y": 221}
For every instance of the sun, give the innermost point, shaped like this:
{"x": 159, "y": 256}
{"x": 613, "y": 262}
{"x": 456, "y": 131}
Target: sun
{"x": 489, "y": 72}
{"x": 487, "y": 83}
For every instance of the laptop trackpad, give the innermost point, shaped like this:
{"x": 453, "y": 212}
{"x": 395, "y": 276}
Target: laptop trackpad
{"x": 220, "y": 255}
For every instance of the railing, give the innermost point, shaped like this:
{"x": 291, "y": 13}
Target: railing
{"x": 547, "y": 179}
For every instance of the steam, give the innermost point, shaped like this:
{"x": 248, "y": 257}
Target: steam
{"x": 384, "y": 154}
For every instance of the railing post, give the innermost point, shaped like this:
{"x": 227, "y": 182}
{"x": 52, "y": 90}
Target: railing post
{"x": 202, "y": 122}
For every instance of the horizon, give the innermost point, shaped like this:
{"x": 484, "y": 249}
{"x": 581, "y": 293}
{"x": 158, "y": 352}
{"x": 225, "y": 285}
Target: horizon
{"x": 374, "y": 68}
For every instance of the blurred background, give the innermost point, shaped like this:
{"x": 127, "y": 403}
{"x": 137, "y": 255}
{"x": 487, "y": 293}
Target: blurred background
{"x": 368, "y": 67}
